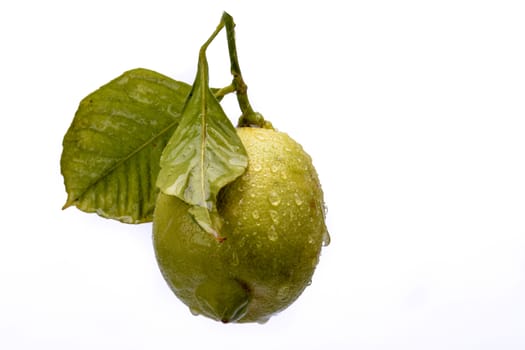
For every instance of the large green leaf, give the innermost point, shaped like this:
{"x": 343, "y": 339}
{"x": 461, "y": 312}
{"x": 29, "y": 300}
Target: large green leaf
{"x": 111, "y": 152}
{"x": 203, "y": 155}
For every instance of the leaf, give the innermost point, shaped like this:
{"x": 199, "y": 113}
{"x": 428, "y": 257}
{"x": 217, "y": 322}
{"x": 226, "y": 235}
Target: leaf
{"x": 111, "y": 152}
{"x": 203, "y": 155}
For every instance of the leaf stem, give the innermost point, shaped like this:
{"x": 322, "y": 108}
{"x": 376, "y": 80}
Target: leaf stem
{"x": 220, "y": 93}
{"x": 249, "y": 117}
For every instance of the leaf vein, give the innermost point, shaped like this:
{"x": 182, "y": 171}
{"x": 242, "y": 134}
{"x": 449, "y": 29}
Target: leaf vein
{"x": 126, "y": 158}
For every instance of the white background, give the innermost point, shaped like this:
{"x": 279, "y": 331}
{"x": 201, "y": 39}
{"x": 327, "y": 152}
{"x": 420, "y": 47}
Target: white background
{"x": 414, "y": 114}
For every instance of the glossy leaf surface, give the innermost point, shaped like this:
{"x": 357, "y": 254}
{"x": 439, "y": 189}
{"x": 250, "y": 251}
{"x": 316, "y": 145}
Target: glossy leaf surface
{"x": 204, "y": 154}
{"x": 111, "y": 152}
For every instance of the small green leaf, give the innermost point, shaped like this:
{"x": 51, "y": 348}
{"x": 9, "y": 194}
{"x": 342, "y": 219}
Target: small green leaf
{"x": 111, "y": 152}
{"x": 203, "y": 155}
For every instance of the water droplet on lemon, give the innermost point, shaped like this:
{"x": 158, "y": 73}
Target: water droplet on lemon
{"x": 298, "y": 199}
{"x": 282, "y": 293}
{"x": 309, "y": 283}
{"x": 274, "y": 198}
{"x": 274, "y": 216}
{"x": 326, "y": 238}
{"x": 235, "y": 259}
{"x": 325, "y": 209}
{"x": 311, "y": 240}
{"x": 263, "y": 320}
{"x": 272, "y": 233}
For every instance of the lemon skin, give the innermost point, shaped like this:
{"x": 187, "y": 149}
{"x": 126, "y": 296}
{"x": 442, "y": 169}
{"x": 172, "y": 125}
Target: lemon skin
{"x": 274, "y": 225}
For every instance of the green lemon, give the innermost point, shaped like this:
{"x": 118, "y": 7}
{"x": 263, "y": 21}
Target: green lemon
{"x": 274, "y": 225}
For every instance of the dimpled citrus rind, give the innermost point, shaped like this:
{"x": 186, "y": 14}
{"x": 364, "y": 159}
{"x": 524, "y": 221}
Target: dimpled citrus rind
{"x": 274, "y": 228}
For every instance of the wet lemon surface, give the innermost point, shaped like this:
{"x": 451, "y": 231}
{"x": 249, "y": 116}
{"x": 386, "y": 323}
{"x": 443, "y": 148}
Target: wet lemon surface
{"x": 273, "y": 222}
